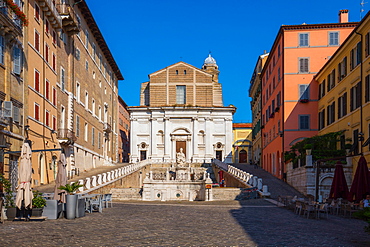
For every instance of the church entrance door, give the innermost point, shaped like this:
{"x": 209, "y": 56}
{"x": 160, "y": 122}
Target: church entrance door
{"x": 181, "y": 144}
{"x": 219, "y": 155}
{"x": 243, "y": 156}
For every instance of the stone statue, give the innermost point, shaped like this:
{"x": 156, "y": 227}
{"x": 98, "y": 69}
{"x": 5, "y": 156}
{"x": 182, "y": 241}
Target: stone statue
{"x": 180, "y": 158}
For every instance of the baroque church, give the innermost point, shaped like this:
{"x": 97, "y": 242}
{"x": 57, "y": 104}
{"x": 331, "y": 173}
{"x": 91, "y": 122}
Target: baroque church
{"x": 181, "y": 106}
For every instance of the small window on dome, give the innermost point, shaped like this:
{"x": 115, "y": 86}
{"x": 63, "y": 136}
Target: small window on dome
{"x": 184, "y": 72}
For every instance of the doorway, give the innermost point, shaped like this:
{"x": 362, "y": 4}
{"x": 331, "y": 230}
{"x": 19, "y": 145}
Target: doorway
{"x": 219, "y": 155}
{"x": 243, "y": 156}
{"x": 142, "y": 155}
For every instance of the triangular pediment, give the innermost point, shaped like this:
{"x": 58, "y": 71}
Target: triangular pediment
{"x": 179, "y": 64}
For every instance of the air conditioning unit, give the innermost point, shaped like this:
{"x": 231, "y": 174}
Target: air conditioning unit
{"x": 8, "y": 108}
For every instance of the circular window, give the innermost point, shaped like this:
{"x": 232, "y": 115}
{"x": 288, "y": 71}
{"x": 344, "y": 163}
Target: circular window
{"x": 178, "y": 195}
{"x": 143, "y": 145}
{"x": 219, "y": 145}
{"x": 158, "y": 195}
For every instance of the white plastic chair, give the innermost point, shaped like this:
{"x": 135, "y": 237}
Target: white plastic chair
{"x": 96, "y": 204}
{"x": 108, "y": 199}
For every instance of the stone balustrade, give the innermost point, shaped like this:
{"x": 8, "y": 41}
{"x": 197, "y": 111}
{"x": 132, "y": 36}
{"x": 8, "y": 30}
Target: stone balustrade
{"x": 248, "y": 179}
{"x": 100, "y": 180}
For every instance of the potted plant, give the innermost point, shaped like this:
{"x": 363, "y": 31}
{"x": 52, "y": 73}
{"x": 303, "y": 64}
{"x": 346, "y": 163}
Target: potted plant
{"x": 11, "y": 210}
{"x": 38, "y": 204}
{"x": 308, "y": 148}
{"x": 347, "y": 147}
{"x": 71, "y": 198}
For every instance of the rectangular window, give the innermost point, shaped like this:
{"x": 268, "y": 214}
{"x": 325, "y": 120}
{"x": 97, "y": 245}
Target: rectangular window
{"x": 99, "y": 139}
{"x": 77, "y": 125}
{"x": 303, "y": 92}
{"x": 54, "y": 38}
{"x": 2, "y": 49}
{"x": 37, "y": 112}
{"x": 37, "y": 12}
{"x": 355, "y": 142}
{"x": 93, "y": 51}
{"x": 331, "y": 80}
{"x": 37, "y": 81}
{"x": 367, "y": 89}
{"x": 86, "y": 100}
{"x": 303, "y": 39}
{"x": 322, "y": 89}
{"x": 62, "y": 78}
{"x": 78, "y": 54}
{"x": 330, "y": 118}
{"x": 304, "y": 122}
{"x": 78, "y": 92}
{"x": 86, "y": 132}
{"x": 87, "y": 65}
{"x": 342, "y": 105}
{"x": 181, "y": 95}
{"x": 322, "y": 119}
{"x": 355, "y": 56}
{"x": 47, "y": 90}
{"x": 54, "y": 62}
{"x": 367, "y": 44}
{"x": 278, "y": 99}
{"x": 333, "y": 38}
{"x": 37, "y": 41}
{"x": 54, "y": 123}
{"x": 303, "y": 65}
{"x": 93, "y": 136}
{"x": 47, "y": 117}
{"x": 47, "y": 30}
{"x": 355, "y": 99}
{"x": 54, "y": 96}
{"x": 17, "y": 60}
{"x": 46, "y": 53}
{"x": 342, "y": 69}
{"x": 279, "y": 74}
{"x": 87, "y": 39}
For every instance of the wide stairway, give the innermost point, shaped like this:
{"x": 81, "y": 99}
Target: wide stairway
{"x": 277, "y": 187}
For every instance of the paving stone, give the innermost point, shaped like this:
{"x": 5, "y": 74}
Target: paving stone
{"x": 221, "y": 223}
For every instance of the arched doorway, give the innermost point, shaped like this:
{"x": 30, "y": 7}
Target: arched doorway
{"x": 243, "y": 156}
{"x": 42, "y": 168}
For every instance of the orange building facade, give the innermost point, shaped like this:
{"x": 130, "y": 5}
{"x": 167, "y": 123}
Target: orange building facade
{"x": 123, "y": 131}
{"x": 289, "y": 100}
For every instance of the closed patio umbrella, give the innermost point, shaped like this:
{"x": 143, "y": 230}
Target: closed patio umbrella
{"x": 61, "y": 179}
{"x": 339, "y": 187}
{"x": 24, "y": 192}
{"x": 361, "y": 182}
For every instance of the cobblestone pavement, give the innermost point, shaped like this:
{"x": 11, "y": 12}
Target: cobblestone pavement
{"x": 250, "y": 223}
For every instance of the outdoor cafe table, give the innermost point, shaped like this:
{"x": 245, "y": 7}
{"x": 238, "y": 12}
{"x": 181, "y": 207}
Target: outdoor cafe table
{"x": 88, "y": 198}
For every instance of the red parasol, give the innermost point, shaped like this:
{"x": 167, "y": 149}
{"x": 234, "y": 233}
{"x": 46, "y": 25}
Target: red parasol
{"x": 339, "y": 188}
{"x": 361, "y": 182}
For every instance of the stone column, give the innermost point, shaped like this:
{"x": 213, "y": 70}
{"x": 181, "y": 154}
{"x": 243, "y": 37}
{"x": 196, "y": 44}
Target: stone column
{"x": 195, "y": 138}
{"x": 167, "y": 139}
{"x": 209, "y": 149}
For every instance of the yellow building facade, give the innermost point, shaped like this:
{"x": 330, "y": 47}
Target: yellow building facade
{"x": 242, "y": 144}
{"x": 344, "y": 93}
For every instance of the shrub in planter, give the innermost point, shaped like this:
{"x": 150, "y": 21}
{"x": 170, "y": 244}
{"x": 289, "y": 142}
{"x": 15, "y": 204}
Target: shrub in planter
{"x": 38, "y": 203}
{"x": 11, "y": 210}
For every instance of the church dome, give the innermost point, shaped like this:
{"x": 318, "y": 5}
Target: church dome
{"x": 210, "y": 60}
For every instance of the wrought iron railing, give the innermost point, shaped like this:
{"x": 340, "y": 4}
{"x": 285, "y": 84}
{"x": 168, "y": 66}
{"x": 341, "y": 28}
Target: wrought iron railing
{"x": 66, "y": 134}
{"x": 6, "y": 11}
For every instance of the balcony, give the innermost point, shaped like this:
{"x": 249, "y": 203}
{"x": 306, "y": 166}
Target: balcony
{"x": 107, "y": 128}
{"x": 66, "y": 137}
{"x": 70, "y": 22}
{"x": 9, "y": 20}
{"x": 51, "y": 13}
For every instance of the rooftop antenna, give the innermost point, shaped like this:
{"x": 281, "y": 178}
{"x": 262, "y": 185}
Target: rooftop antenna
{"x": 362, "y": 8}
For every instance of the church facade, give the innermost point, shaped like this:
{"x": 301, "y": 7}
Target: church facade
{"x": 181, "y": 106}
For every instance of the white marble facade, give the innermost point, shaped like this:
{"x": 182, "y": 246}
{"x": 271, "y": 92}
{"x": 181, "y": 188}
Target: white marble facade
{"x": 206, "y": 133}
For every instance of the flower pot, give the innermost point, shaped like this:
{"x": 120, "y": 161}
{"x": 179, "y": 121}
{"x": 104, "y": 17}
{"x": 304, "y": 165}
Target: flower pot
{"x": 71, "y": 205}
{"x": 11, "y": 213}
{"x": 37, "y": 212}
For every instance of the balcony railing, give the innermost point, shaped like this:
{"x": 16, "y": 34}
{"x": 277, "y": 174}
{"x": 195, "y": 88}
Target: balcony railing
{"x": 51, "y": 13}
{"x": 70, "y": 21}
{"x": 66, "y": 136}
{"x": 10, "y": 17}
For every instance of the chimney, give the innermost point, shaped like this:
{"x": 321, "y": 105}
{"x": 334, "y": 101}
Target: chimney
{"x": 343, "y": 15}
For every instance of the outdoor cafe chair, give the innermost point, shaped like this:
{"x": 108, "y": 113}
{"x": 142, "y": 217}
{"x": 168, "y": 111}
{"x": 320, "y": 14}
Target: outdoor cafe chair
{"x": 298, "y": 207}
{"x": 96, "y": 204}
{"x": 323, "y": 208}
{"x": 107, "y": 198}
{"x": 309, "y": 209}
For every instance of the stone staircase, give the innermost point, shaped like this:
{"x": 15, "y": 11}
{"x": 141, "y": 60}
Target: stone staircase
{"x": 277, "y": 187}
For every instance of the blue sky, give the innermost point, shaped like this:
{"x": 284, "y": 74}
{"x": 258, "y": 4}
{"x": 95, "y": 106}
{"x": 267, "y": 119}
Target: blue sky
{"x": 147, "y": 35}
